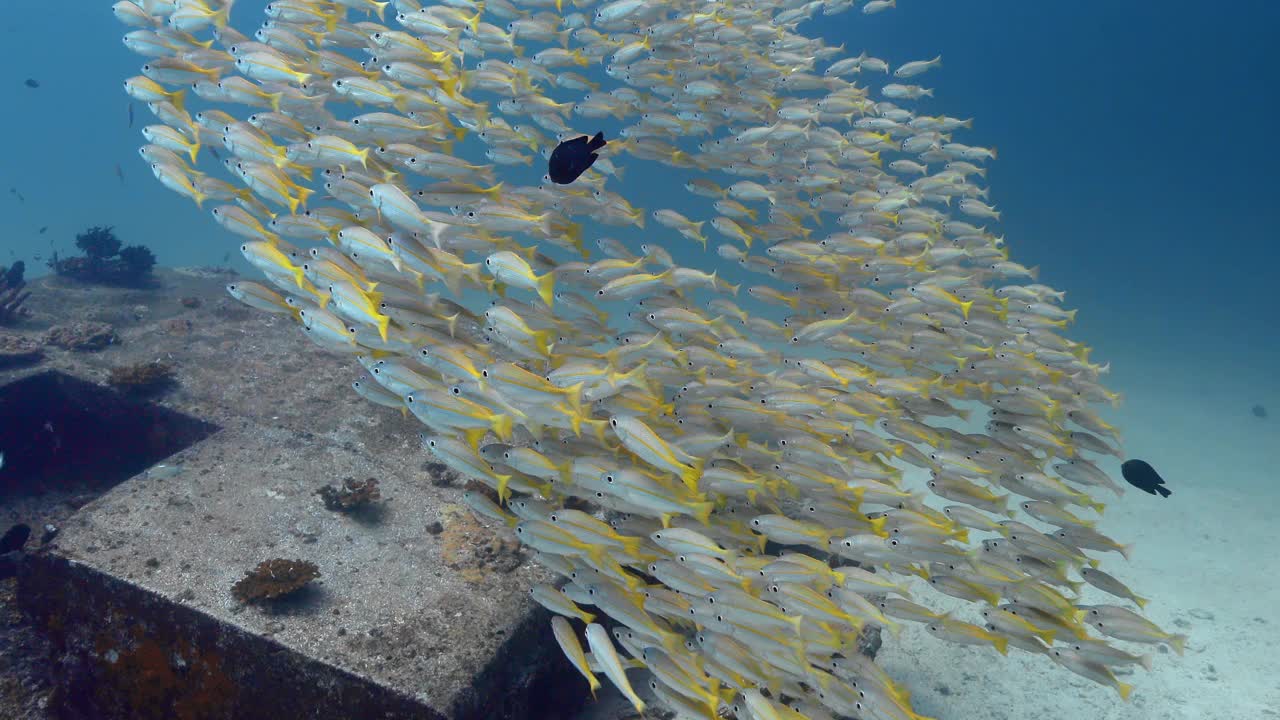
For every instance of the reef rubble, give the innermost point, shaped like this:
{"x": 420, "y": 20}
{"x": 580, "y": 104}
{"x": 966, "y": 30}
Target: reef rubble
{"x": 105, "y": 260}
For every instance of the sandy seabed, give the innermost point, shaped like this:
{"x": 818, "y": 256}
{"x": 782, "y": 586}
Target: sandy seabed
{"x": 1208, "y": 558}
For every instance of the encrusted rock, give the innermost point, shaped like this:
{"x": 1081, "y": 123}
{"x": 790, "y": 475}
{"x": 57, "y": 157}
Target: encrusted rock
{"x": 16, "y": 350}
{"x": 81, "y": 336}
{"x": 142, "y": 378}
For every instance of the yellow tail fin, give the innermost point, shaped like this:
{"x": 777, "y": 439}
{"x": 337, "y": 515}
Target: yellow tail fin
{"x": 503, "y": 426}
{"x": 547, "y": 288}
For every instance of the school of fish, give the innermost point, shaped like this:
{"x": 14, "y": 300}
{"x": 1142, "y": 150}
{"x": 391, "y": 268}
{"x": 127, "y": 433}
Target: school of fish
{"x": 724, "y": 476}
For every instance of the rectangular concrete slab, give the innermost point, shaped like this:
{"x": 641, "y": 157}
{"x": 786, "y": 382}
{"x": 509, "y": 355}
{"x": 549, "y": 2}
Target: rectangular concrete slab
{"x": 420, "y": 609}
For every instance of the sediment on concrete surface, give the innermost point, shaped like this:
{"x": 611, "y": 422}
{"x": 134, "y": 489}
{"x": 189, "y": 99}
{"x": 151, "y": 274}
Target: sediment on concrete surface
{"x": 420, "y": 610}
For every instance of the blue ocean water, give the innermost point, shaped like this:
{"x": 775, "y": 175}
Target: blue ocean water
{"x": 1136, "y": 170}
{"x": 1135, "y": 165}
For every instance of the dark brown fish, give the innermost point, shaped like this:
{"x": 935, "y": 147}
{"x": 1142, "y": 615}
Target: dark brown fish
{"x": 571, "y": 158}
{"x": 1141, "y": 475}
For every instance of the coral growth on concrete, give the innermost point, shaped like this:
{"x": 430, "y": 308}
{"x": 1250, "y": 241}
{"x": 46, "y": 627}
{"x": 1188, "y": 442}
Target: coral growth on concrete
{"x": 474, "y": 550}
{"x": 274, "y": 578}
{"x": 107, "y": 261}
{"x": 350, "y": 495}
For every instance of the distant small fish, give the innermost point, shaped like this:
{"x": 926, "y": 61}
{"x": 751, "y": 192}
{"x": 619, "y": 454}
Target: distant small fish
{"x": 32, "y": 83}
{"x": 573, "y": 157}
{"x": 14, "y": 538}
{"x": 163, "y": 471}
{"x": 130, "y": 114}
{"x": 214, "y": 151}
{"x": 14, "y": 191}
{"x": 120, "y": 173}
{"x": 41, "y": 230}
{"x": 1141, "y": 475}
{"x": 1259, "y": 411}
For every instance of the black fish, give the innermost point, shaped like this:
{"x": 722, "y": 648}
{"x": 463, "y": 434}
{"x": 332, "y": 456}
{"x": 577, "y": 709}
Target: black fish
{"x": 14, "y": 538}
{"x": 1144, "y": 477}
{"x": 32, "y": 83}
{"x": 1259, "y": 411}
{"x": 571, "y": 158}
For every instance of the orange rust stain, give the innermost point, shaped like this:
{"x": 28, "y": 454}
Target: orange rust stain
{"x": 160, "y": 678}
